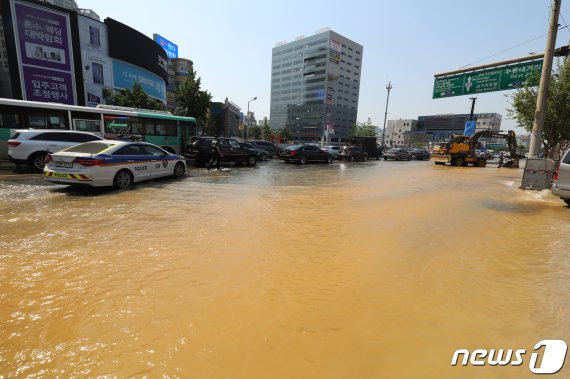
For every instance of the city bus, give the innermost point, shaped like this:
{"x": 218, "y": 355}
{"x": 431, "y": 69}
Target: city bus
{"x": 160, "y": 128}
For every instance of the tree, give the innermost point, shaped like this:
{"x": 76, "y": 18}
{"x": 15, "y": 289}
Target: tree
{"x": 136, "y": 98}
{"x": 254, "y": 132}
{"x": 363, "y": 129}
{"x": 285, "y": 134}
{"x": 266, "y": 129}
{"x": 556, "y": 126}
{"x": 192, "y": 101}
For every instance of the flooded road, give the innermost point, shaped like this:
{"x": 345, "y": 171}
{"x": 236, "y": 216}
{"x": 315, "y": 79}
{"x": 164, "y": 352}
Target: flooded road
{"x": 363, "y": 270}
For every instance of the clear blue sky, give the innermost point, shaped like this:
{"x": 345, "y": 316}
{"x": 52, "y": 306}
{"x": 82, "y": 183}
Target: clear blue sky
{"x": 405, "y": 42}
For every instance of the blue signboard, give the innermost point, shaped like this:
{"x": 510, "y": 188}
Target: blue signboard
{"x": 125, "y": 75}
{"x": 469, "y": 128}
{"x": 170, "y": 48}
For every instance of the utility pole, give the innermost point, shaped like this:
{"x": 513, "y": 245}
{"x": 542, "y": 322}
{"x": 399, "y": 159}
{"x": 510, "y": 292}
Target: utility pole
{"x": 388, "y": 87}
{"x": 473, "y": 100}
{"x": 538, "y": 126}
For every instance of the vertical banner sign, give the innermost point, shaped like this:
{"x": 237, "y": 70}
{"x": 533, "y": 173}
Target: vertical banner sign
{"x": 43, "y": 45}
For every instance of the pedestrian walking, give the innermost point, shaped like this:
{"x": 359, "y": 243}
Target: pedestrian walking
{"x": 216, "y": 154}
{"x": 501, "y": 159}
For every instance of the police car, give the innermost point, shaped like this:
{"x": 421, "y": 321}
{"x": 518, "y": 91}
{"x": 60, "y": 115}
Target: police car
{"x": 111, "y": 163}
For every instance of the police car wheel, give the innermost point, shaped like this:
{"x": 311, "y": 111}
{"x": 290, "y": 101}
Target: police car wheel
{"x": 179, "y": 170}
{"x": 122, "y": 179}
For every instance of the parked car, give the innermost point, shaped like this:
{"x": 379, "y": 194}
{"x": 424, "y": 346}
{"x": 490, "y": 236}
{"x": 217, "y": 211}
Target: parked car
{"x": 270, "y": 147}
{"x": 111, "y": 163}
{"x": 31, "y": 146}
{"x": 263, "y": 154}
{"x": 352, "y": 153}
{"x": 201, "y": 151}
{"x": 397, "y": 154}
{"x": 305, "y": 153}
{"x": 420, "y": 154}
{"x": 561, "y": 180}
{"x": 332, "y": 150}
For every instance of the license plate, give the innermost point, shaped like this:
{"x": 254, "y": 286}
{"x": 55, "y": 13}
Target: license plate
{"x": 64, "y": 164}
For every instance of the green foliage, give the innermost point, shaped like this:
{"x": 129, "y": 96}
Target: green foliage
{"x": 363, "y": 129}
{"x": 254, "y": 132}
{"x": 136, "y": 98}
{"x": 285, "y": 134}
{"x": 192, "y": 101}
{"x": 266, "y": 129}
{"x": 556, "y": 125}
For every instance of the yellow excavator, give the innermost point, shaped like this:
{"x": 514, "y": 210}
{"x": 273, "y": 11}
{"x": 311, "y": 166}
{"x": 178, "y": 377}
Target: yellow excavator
{"x": 461, "y": 150}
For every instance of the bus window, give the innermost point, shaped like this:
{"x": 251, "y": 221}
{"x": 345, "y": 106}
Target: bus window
{"x": 165, "y": 128}
{"x": 138, "y": 127}
{"x": 46, "y": 122}
{"x": 10, "y": 120}
{"x": 88, "y": 125}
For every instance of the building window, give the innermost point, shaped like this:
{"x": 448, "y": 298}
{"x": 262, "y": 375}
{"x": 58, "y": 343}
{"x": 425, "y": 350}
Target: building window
{"x": 94, "y": 38}
{"x": 97, "y": 73}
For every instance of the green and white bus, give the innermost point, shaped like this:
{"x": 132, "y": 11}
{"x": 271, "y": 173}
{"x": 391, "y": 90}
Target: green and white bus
{"x": 160, "y": 128}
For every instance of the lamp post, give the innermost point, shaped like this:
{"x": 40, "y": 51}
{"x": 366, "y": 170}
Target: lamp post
{"x": 388, "y": 87}
{"x": 86, "y": 93}
{"x": 245, "y": 126}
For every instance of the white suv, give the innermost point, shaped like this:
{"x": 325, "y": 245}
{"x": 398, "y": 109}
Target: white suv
{"x": 561, "y": 183}
{"x": 31, "y": 146}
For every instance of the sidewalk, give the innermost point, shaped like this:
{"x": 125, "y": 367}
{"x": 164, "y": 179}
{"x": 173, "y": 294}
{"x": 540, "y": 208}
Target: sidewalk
{"x": 8, "y": 167}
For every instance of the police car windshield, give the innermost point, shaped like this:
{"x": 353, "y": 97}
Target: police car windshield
{"x": 90, "y": 147}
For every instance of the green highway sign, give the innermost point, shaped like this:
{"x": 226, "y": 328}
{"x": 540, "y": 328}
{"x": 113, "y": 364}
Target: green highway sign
{"x": 493, "y": 79}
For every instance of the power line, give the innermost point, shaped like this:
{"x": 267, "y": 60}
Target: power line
{"x": 511, "y": 48}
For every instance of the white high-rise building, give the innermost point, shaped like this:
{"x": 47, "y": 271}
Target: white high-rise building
{"x": 315, "y": 83}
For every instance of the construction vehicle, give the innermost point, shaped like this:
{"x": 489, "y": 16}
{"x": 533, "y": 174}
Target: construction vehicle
{"x": 461, "y": 150}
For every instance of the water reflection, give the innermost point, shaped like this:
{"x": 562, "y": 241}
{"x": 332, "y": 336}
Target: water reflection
{"x": 375, "y": 269}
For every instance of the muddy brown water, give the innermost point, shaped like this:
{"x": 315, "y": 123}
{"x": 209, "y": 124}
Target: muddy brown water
{"x": 364, "y": 270}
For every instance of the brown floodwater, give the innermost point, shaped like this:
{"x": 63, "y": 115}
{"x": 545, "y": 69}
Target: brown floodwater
{"x": 365, "y": 270}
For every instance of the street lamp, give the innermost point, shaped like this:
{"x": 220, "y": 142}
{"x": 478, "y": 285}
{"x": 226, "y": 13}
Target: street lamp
{"x": 245, "y": 126}
{"x": 86, "y": 93}
{"x": 388, "y": 87}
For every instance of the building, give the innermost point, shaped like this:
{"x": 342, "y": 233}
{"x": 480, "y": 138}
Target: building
{"x": 178, "y": 71}
{"x": 69, "y": 4}
{"x": 315, "y": 84}
{"x": 224, "y": 119}
{"x": 398, "y": 132}
{"x": 441, "y": 126}
{"x": 72, "y": 58}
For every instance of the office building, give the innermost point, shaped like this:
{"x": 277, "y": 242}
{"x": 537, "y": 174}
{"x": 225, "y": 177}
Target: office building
{"x": 315, "y": 84}
{"x": 441, "y": 126}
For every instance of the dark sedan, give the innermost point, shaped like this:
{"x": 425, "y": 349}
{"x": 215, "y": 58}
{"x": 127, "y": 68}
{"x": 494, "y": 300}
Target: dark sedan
{"x": 201, "y": 151}
{"x": 352, "y": 153}
{"x": 305, "y": 153}
{"x": 420, "y": 154}
{"x": 397, "y": 154}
